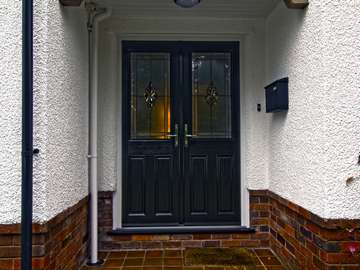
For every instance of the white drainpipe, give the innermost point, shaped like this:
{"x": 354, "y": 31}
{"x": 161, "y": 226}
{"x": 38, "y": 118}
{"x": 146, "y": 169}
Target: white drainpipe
{"x": 95, "y": 15}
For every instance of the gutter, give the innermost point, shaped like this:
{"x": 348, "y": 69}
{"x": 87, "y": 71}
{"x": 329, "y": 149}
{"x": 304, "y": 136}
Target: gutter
{"x": 95, "y": 15}
{"x": 27, "y": 135}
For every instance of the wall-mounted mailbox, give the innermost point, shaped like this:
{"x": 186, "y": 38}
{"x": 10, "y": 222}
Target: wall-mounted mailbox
{"x": 277, "y": 96}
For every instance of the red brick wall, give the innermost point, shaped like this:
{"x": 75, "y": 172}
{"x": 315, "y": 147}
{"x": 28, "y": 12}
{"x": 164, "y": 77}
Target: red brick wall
{"x": 61, "y": 243}
{"x": 118, "y": 242}
{"x": 301, "y": 239}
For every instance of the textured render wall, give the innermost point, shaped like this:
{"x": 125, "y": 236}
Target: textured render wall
{"x": 10, "y": 110}
{"x": 342, "y": 76}
{"x": 60, "y": 109}
{"x": 255, "y": 123}
{"x": 109, "y": 122}
{"x": 61, "y": 113}
{"x": 314, "y": 147}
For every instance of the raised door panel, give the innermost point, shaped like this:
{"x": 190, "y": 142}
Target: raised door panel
{"x": 196, "y": 188}
{"x": 136, "y": 188}
{"x": 165, "y": 186}
{"x": 226, "y": 188}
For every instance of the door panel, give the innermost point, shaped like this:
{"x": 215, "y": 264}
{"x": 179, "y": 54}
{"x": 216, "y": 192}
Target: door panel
{"x": 197, "y": 190}
{"x": 164, "y": 186}
{"x": 137, "y": 188}
{"x": 225, "y": 185}
{"x": 181, "y": 144}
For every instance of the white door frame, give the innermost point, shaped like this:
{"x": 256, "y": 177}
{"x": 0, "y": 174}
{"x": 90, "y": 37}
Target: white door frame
{"x": 116, "y": 40}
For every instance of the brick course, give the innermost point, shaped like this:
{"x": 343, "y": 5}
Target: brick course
{"x": 60, "y": 243}
{"x": 301, "y": 239}
{"x": 178, "y": 241}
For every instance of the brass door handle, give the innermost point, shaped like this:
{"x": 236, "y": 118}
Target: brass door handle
{"x": 187, "y": 135}
{"x": 176, "y": 135}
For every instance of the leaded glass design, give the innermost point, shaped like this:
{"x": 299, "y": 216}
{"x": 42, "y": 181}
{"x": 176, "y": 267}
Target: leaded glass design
{"x": 150, "y": 95}
{"x": 211, "y": 95}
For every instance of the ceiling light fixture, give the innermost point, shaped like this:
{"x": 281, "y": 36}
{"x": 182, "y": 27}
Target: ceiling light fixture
{"x": 187, "y": 3}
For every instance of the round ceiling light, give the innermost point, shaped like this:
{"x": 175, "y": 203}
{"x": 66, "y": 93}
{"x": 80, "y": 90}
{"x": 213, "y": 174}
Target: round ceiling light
{"x": 187, "y": 3}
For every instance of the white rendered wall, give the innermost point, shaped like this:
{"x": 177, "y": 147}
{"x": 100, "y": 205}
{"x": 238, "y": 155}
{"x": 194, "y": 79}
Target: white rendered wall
{"x": 60, "y": 109}
{"x": 10, "y": 110}
{"x": 314, "y": 147}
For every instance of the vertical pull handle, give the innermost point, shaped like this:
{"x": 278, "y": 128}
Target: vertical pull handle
{"x": 175, "y": 136}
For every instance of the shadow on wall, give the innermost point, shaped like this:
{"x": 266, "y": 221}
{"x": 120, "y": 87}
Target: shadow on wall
{"x": 73, "y": 23}
{"x": 288, "y": 34}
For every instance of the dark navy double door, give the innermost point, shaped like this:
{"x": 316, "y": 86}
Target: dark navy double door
{"x": 181, "y": 121}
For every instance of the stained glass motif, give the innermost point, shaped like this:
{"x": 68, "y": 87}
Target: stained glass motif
{"x": 150, "y": 95}
{"x": 211, "y": 95}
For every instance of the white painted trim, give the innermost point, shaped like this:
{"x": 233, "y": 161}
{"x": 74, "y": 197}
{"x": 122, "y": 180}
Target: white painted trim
{"x": 116, "y": 48}
{"x": 117, "y": 198}
{"x": 244, "y": 192}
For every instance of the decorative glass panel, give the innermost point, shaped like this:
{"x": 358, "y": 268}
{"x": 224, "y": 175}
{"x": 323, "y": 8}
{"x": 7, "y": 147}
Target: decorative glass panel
{"x": 150, "y": 95}
{"x": 211, "y": 95}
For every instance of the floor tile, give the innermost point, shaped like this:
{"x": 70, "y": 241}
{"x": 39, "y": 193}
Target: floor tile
{"x": 136, "y": 254}
{"x": 257, "y": 260}
{"x": 275, "y": 267}
{"x": 111, "y": 263}
{"x": 234, "y": 268}
{"x": 173, "y": 261}
{"x": 152, "y": 268}
{"x": 214, "y": 268}
{"x": 154, "y": 253}
{"x": 133, "y": 262}
{"x": 154, "y": 261}
{"x": 131, "y": 268}
{"x": 257, "y": 267}
{"x": 117, "y": 255}
{"x": 193, "y": 267}
{"x": 263, "y": 252}
{"x": 173, "y": 267}
{"x": 270, "y": 260}
{"x": 173, "y": 253}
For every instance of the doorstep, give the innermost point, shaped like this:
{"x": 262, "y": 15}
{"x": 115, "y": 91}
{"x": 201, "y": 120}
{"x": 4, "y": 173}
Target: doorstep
{"x": 182, "y": 230}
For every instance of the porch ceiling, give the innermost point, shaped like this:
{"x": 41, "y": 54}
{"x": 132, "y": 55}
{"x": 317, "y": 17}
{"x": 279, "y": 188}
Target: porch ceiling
{"x": 207, "y": 8}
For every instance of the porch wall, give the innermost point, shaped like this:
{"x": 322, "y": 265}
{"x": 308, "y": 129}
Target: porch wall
{"x": 60, "y": 109}
{"x": 10, "y": 110}
{"x": 60, "y": 243}
{"x": 314, "y": 147}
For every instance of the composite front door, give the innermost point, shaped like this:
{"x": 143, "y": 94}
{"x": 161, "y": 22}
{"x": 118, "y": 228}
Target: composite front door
{"x": 181, "y": 133}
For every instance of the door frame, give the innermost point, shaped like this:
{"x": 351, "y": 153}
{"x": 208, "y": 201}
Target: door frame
{"x": 116, "y": 65}
{"x": 177, "y": 49}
